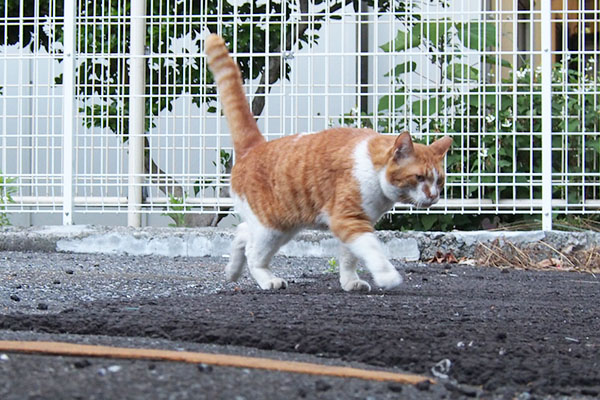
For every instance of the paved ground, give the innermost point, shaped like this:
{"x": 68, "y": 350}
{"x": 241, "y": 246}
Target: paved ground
{"x": 505, "y": 334}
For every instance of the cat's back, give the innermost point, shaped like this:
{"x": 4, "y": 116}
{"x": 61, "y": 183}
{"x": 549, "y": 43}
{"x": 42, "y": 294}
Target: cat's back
{"x": 304, "y": 153}
{"x": 294, "y": 178}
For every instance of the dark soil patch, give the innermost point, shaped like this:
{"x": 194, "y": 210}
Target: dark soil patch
{"x": 506, "y": 332}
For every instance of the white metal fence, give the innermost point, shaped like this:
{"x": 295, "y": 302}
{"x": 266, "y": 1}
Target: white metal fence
{"x": 107, "y": 108}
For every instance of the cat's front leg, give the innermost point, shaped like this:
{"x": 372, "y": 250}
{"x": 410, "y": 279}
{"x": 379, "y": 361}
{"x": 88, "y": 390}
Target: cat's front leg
{"x": 349, "y": 279}
{"x": 368, "y": 249}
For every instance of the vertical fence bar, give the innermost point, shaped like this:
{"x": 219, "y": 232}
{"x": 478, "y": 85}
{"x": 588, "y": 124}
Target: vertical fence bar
{"x": 68, "y": 105}
{"x": 137, "y": 106}
{"x": 546, "y": 63}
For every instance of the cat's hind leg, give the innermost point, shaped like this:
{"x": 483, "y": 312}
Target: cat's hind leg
{"x": 349, "y": 279}
{"x": 263, "y": 243}
{"x": 237, "y": 257}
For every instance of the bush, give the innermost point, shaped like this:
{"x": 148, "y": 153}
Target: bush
{"x": 497, "y": 143}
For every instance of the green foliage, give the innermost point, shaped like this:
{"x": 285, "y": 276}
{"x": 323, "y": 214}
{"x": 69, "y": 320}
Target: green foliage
{"x": 333, "y": 266}
{"x": 176, "y": 210}
{"x": 224, "y": 167}
{"x": 6, "y": 192}
{"x": 498, "y": 152}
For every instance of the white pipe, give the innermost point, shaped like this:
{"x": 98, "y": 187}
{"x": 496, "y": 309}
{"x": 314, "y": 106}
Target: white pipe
{"x": 546, "y": 60}
{"x": 68, "y": 105}
{"x": 137, "y": 105}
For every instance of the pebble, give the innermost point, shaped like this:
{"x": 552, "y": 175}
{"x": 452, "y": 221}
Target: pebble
{"x": 69, "y": 272}
{"x": 56, "y": 282}
{"x": 205, "y": 368}
{"x": 322, "y": 386}
{"x": 14, "y": 297}
{"x": 42, "y": 306}
{"x": 114, "y": 368}
{"x": 395, "y": 387}
{"x": 423, "y": 385}
{"x": 82, "y": 364}
{"x": 4, "y": 357}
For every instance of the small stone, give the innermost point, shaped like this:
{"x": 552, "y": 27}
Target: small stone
{"x": 395, "y": 387}
{"x": 205, "y": 368}
{"x": 590, "y": 392}
{"x": 501, "y": 336}
{"x": 114, "y": 368}
{"x": 56, "y": 282}
{"x": 69, "y": 272}
{"x": 322, "y": 386}
{"x": 4, "y": 357}
{"x": 18, "y": 286}
{"x": 14, "y": 297}
{"x": 524, "y": 396}
{"x": 81, "y": 364}
{"x": 462, "y": 389}
{"x": 42, "y": 306}
{"x": 423, "y": 385}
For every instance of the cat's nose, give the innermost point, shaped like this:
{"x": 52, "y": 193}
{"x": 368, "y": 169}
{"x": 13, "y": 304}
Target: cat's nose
{"x": 433, "y": 194}
{"x": 433, "y": 197}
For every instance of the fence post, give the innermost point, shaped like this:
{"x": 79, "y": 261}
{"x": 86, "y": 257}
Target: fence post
{"x": 68, "y": 105}
{"x": 546, "y": 64}
{"x": 137, "y": 107}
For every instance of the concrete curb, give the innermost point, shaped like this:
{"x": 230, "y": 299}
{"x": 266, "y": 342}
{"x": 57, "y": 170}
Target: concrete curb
{"x": 215, "y": 242}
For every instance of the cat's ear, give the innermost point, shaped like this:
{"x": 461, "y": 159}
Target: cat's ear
{"x": 441, "y": 146}
{"x": 403, "y": 146}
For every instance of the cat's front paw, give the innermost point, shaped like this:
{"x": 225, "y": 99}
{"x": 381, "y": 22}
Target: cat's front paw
{"x": 357, "y": 285}
{"x": 233, "y": 272}
{"x": 388, "y": 280}
{"x": 274, "y": 284}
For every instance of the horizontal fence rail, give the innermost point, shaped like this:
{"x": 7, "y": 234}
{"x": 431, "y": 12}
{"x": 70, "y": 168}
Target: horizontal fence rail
{"x": 109, "y": 114}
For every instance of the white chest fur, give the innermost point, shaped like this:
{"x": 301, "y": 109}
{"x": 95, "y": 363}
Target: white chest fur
{"x": 374, "y": 201}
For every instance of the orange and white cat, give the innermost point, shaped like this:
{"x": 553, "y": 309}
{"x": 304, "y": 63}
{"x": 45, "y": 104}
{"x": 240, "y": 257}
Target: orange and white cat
{"x": 344, "y": 179}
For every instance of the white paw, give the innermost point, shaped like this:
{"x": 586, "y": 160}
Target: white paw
{"x": 389, "y": 279}
{"x": 232, "y": 273}
{"x": 274, "y": 284}
{"x": 356, "y": 285}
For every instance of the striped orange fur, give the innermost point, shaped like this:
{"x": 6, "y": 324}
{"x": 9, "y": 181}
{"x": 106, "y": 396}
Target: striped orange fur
{"x": 340, "y": 178}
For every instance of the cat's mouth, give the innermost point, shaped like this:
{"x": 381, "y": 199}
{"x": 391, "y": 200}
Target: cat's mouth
{"x": 421, "y": 203}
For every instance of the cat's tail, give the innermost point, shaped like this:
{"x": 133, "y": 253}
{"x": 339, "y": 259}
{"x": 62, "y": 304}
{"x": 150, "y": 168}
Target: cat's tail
{"x": 244, "y": 130}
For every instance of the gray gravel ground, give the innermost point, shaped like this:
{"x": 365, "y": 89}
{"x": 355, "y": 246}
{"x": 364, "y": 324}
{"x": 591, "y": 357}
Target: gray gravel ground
{"x": 45, "y": 283}
{"x": 48, "y": 283}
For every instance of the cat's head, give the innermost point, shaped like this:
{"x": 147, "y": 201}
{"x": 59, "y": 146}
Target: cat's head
{"x": 414, "y": 173}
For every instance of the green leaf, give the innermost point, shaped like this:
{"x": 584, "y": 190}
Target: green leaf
{"x": 391, "y": 102}
{"x": 428, "y": 220}
{"x": 402, "y": 68}
{"x": 428, "y": 106}
{"x": 490, "y": 59}
{"x": 477, "y": 35}
{"x": 404, "y": 40}
{"x": 435, "y": 31}
{"x": 459, "y": 72}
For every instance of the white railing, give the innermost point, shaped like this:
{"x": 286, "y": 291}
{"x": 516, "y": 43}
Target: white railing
{"x": 110, "y": 116}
